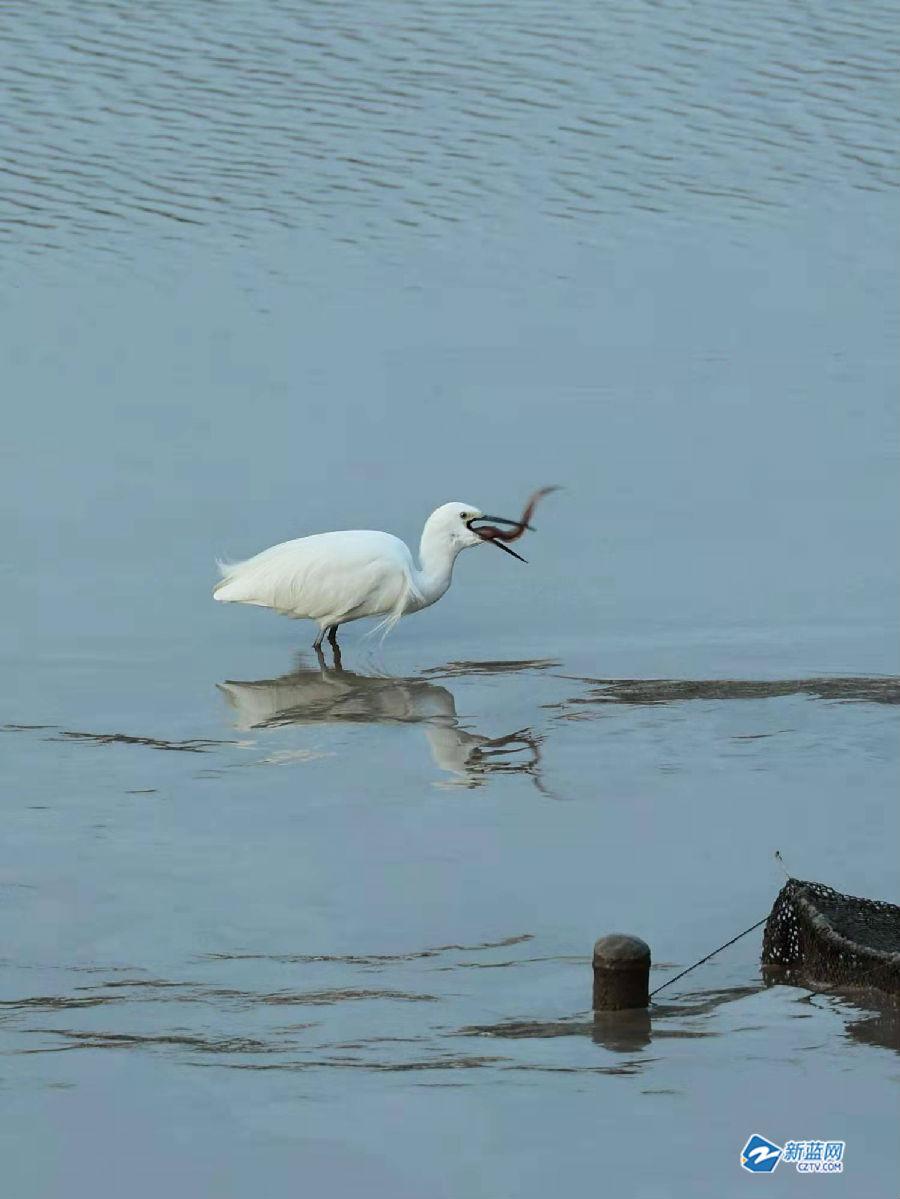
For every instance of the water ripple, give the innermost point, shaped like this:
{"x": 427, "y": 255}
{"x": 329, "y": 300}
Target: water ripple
{"x": 121, "y": 122}
{"x": 219, "y": 1022}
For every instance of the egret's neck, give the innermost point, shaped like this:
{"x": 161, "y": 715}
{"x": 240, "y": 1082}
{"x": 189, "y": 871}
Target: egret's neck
{"x": 437, "y": 553}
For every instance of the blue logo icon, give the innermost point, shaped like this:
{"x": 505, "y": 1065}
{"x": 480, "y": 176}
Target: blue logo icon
{"x": 760, "y": 1156}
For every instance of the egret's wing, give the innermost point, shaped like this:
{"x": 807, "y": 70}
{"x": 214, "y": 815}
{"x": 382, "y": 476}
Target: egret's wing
{"x": 328, "y": 576}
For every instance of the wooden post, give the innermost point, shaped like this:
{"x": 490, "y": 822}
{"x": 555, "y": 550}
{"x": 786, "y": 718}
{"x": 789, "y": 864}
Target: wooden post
{"x": 621, "y": 973}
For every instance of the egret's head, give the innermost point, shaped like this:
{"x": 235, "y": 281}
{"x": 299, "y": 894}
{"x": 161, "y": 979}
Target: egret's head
{"x": 455, "y": 522}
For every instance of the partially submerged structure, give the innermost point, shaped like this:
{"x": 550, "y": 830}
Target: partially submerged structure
{"x": 819, "y": 938}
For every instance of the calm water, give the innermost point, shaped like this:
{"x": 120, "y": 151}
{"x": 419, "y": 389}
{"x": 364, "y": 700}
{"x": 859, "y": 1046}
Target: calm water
{"x": 272, "y": 268}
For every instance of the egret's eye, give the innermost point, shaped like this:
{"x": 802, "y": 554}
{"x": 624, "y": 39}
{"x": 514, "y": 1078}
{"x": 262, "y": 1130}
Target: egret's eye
{"x": 463, "y": 516}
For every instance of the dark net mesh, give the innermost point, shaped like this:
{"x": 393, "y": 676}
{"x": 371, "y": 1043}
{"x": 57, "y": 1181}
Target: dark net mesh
{"x": 821, "y": 938}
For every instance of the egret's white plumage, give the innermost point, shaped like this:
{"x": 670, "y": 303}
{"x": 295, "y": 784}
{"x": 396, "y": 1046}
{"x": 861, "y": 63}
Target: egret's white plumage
{"x": 333, "y": 578}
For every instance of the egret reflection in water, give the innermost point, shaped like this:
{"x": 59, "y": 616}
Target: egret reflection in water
{"x": 331, "y": 695}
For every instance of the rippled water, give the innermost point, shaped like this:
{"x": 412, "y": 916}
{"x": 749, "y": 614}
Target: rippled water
{"x": 237, "y": 119}
{"x": 276, "y": 268}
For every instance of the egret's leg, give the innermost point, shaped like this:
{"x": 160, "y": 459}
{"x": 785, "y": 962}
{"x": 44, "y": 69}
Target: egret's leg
{"x": 317, "y": 644}
{"x": 332, "y": 636}
{"x": 323, "y": 665}
{"x": 338, "y": 664}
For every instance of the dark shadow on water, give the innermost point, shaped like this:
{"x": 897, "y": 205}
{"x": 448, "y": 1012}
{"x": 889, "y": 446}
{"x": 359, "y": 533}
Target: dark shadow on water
{"x": 880, "y": 1026}
{"x": 192, "y": 745}
{"x": 871, "y": 1016}
{"x": 324, "y": 694}
{"x": 229, "y": 1028}
{"x": 195, "y": 745}
{"x": 874, "y": 690}
{"x": 464, "y": 669}
{"x": 377, "y": 961}
{"x": 627, "y": 1032}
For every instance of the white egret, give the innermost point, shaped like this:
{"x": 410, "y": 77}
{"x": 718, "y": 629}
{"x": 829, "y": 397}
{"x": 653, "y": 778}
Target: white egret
{"x": 333, "y": 578}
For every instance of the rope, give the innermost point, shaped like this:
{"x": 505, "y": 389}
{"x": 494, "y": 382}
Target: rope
{"x": 708, "y": 956}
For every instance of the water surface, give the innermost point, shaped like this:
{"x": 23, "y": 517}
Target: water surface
{"x": 272, "y": 269}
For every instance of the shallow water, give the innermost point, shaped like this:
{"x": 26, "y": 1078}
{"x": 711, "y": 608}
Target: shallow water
{"x": 271, "y": 269}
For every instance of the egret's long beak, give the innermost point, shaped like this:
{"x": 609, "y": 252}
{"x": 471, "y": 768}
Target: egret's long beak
{"x": 504, "y": 520}
{"x": 506, "y": 549}
{"x": 494, "y": 536}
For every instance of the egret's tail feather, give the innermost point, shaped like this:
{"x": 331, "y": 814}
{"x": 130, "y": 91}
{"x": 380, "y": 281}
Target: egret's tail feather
{"x": 387, "y": 625}
{"x": 227, "y": 570}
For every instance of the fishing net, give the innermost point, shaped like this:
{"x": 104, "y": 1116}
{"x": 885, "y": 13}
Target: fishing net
{"x": 819, "y": 938}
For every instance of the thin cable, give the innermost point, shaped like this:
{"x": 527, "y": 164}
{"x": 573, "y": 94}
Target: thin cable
{"x": 708, "y": 956}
